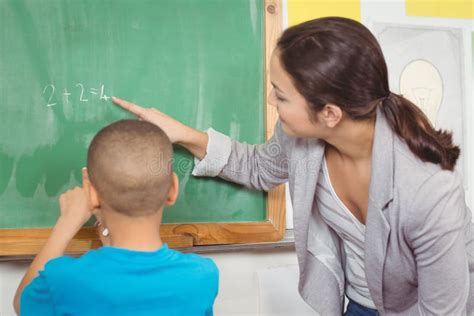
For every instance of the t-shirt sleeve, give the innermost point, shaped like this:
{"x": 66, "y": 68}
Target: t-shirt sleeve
{"x": 36, "y": 298}
{"x": 213, "y": 271}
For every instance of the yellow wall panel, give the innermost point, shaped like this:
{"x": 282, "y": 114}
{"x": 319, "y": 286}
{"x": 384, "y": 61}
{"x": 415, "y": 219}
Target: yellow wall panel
{"x": 463, "y": 9}
{"x": 304, "y": 10}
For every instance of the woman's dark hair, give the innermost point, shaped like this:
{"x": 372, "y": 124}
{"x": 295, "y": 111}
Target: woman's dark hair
{"x": 337, "y": 60}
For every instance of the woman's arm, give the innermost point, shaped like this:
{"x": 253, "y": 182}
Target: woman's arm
{"x": 436, "y": 231}
{"x": 262, "y": 166}
{"x": 255, "y": 166}
{"x": 191, "y": 139}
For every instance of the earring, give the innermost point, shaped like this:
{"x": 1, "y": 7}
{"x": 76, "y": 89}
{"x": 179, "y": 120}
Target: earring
{"x": 104, "y": 231}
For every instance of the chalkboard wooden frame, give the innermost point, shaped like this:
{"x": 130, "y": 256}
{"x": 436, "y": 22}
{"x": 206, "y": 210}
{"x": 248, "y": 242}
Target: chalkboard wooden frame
{"x": 24, "y": 242}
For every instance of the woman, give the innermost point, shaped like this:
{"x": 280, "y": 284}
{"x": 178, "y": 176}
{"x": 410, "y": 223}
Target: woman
{"x": 379, "y": 213}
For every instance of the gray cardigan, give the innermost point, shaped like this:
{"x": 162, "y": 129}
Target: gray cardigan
{"x": 419, "y": 244}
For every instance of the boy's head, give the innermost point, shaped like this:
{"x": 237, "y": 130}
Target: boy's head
{"x": 129, "y": 165}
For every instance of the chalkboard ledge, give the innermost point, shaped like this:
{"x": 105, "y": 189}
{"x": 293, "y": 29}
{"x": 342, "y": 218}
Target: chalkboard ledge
{"x": 288, "y": 242}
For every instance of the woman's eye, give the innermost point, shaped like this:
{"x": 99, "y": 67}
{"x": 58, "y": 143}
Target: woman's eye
{"x": 280, "y": 99}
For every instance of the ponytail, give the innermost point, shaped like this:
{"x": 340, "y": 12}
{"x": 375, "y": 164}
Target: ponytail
{"x": 412, "y": 125}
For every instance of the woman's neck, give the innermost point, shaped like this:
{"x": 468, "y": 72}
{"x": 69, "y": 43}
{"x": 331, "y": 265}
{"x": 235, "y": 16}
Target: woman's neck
{"x": 353, "y": 140}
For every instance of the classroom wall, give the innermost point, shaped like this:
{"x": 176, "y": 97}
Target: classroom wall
{"x": 265, "y": 282}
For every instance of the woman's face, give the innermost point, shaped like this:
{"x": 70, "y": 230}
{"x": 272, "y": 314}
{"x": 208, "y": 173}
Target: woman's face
{"x": 292, "y": 107}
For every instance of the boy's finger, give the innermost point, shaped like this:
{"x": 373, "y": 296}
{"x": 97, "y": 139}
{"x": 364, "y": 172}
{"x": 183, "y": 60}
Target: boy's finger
{"x": 85, "y": 175}
{"x": 85, "y": 179}
{"x": 129, "y": 106}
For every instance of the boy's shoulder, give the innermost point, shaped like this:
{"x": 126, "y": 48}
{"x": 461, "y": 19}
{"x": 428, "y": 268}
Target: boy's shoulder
{"x": 164, "y": 271}
{"x": 192, "y": 259}
{"x": 68, "y": 264}
{"x": 60, "y": 263}
{"x": 107, "y": 261}
{"x": 106, "y": 255}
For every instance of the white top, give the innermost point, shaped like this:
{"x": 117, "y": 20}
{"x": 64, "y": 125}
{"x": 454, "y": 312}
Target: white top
{"x": 351, "y": 231}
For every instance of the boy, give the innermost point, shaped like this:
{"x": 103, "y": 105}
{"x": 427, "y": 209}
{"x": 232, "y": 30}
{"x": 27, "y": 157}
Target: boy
{"x": 126, "y": 185}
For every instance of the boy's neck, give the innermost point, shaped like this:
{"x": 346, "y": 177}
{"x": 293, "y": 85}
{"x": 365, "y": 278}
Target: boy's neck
{"x": 134, "y": 233}
{"x": 136, "y": 244}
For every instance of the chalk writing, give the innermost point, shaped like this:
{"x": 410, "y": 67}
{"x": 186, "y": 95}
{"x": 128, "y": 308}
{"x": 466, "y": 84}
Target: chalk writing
{"x": 80, "y": 93}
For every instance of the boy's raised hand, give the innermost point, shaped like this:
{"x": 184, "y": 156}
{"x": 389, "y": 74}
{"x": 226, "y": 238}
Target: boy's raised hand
{"x": 75, "y": 212}
{"x": 74, "y": 207}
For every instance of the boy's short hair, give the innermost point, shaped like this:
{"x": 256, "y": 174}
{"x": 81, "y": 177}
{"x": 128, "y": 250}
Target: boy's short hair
{"x": 130, "y": 164}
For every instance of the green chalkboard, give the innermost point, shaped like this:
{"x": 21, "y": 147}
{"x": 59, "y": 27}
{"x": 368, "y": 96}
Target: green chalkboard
{"x": 201, "y": 62}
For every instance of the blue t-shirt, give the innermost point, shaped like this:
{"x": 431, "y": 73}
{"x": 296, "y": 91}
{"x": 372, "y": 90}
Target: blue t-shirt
{"x": 116, "y": 281}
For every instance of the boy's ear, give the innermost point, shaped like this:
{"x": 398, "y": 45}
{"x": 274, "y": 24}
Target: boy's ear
{"x": 174, "y": 191}
{"x": 331, "y": 115}
{"x": 91, "y": 192}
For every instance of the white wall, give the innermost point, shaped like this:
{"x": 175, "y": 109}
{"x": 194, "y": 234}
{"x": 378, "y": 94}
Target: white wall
{"x": 10, "y": 276}
{"x": 259, "y": 283}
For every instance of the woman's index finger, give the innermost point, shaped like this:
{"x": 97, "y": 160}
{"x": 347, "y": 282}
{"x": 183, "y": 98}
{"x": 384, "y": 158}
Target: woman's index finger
{"x": 129, "y": 106}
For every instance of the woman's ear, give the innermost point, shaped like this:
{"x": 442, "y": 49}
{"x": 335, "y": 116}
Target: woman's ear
{"x": 331, "y": 115}
{"x": 91, "y": 192}
{"x": 173, "y": 191}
